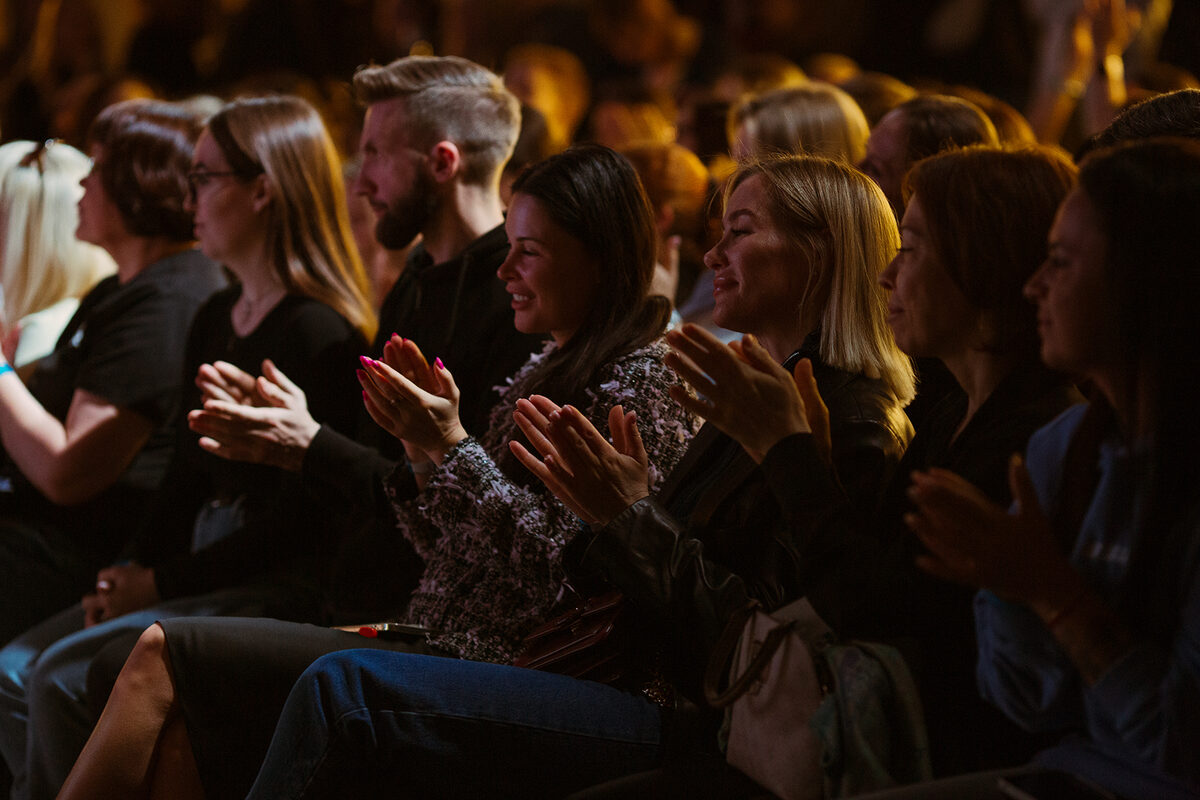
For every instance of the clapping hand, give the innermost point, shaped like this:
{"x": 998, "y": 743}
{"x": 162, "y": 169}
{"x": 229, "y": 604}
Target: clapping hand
{"x": 593, "y": 478}
{"x": 743, "y": 391}
{"x": 422, "y": 411}
{"x": 261, "y": 421}
{"x": 974, "y": 541}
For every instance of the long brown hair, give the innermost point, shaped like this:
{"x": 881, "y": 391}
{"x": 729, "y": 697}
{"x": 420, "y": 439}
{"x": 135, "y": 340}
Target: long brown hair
{"x": 308, "y": 230}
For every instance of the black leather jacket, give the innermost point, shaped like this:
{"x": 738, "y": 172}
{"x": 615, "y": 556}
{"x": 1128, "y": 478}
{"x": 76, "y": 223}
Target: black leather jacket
{"x": 724, "y": 529}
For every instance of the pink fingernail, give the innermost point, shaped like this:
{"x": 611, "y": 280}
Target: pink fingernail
{"x": 364, "y": 394}
{"x": 439, "y": 363}
{"x": 362, "y": 375}
{"x": 366, "y": 362}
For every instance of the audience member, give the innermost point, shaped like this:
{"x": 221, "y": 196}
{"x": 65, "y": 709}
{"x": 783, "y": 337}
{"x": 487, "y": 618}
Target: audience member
{"x": 916, "y": 129}
{"x": 44, "y": 269}
{"x": 87, "y": 442}
{"x": 877, "y": 93}
{"x": 816, "y": 119}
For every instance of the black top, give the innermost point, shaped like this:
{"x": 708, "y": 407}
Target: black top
{"x": 124, "y": 344}
{"x": 458, "y": 311}
{"x": 318, "y": 349}
{"x": 965, "y": 732}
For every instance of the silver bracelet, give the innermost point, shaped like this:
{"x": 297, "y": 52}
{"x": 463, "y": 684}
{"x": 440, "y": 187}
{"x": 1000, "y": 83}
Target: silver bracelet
{"x": 421, "y": 467}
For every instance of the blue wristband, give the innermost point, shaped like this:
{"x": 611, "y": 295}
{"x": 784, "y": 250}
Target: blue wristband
{"x": 6, "y": 367}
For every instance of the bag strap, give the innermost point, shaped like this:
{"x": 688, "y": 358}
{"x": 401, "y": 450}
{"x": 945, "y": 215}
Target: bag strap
{"x": 754, "y": 669}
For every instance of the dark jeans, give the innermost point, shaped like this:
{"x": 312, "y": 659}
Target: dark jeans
{"x": 362, "y": 723}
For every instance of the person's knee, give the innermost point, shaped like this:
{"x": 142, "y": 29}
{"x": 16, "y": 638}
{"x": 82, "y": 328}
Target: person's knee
{"x": 147, "y": 671}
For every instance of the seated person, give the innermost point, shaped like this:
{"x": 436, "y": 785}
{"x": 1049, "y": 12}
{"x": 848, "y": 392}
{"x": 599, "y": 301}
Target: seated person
{"x": 87, "y": 440}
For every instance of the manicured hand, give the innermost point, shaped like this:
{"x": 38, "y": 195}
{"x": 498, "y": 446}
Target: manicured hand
{"x": 424, "y": 418}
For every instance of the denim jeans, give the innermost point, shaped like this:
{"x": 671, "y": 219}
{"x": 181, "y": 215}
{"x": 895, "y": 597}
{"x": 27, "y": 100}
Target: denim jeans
{"x": 362, "y": 723}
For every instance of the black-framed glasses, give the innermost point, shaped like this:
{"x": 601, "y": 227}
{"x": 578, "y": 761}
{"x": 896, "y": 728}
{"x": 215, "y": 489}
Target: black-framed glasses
{"x": 37, "y": 155}
{"x": 199, "y": 178}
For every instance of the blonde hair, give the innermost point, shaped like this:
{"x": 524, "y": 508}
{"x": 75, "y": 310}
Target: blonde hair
{"x": 41, "y": 261}
{"x": 817, "y": 119}
{"x": 448, "y": 98}
{"x": 841, "y": 219}
{"x": 308, "y": 230}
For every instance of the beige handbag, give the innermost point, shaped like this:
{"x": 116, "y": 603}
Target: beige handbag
{"x": 810, "y": 717}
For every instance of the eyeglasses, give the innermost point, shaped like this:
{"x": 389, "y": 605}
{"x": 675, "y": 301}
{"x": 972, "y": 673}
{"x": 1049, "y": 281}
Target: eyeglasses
{"x": 37, "y": 156}
{"x": 200, "y": 178}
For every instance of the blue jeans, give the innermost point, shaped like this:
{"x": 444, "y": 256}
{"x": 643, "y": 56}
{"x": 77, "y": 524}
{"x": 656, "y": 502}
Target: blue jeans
{"x": 361, "y": 722}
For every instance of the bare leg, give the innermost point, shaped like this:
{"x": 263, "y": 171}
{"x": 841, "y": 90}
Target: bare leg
{"x": 122, "y": 755}
{"x": 175, "y": 774}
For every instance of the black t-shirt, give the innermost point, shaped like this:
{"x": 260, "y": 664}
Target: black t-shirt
{"x": 317, "y": 349}
{"x": 124, "y": 344}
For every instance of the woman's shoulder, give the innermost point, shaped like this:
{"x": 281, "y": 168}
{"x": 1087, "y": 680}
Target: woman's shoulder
{"x": 645, "y": 361}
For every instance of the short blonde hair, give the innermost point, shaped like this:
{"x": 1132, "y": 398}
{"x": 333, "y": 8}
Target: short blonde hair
{"x": 841, "y": 219}
{"x": 817, "y": 119}
{"x": 41, "y": 261}
{"x": 309, "y": 227}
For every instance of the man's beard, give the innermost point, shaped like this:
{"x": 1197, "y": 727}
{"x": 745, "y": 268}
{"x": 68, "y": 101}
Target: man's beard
{"x": 407, "y": 217}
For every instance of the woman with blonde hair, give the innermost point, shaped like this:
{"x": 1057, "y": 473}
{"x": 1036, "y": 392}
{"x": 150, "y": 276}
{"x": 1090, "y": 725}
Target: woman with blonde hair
{"x": 816, "y": 119}
{"x": 44, "y": 269}
{"x": 221, "y": 537}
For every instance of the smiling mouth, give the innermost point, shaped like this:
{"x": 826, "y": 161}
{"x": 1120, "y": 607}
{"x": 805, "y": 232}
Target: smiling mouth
{"x": 521, "y": 298}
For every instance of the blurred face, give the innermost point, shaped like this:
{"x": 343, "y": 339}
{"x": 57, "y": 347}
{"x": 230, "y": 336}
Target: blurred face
{"x": 1075, "y": 308}
{"x": 548, "y": 272}
{"x": 100, "y": 223}
{"x": 885, "y": 163}
{"x": 760, "y": 273}
{"x": 929, "y": 314}
{"x": 393, "y": 177}
{"x": 228, "y": 209}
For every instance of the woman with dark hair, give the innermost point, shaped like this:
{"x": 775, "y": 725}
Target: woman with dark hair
{"x": 86, "y": 442}
{"x": 198, "y": 699}
{"x": 1089, "y": 612}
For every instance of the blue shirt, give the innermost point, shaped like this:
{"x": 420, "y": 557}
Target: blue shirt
{"x": 1147, "y": 705}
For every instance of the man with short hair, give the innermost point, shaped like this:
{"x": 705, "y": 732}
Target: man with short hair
{"x": 436, "y": 135}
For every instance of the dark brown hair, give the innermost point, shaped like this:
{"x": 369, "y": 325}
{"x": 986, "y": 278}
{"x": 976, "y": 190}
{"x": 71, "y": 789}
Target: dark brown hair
{"x": 594, "y": 194}
{"x": 988, "y": 212}
{"x": 146, "y": 154}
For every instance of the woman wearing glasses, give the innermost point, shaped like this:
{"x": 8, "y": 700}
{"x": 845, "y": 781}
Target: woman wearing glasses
{"x": 221, "y": 537}
{"x": 86, "y": 440}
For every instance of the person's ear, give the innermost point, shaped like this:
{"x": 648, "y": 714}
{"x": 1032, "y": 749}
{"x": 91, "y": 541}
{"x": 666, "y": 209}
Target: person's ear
{"x": 445, "y": 161}
{"x": 260, "y": 196}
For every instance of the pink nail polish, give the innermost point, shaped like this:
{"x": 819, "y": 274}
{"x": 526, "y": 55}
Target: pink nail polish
{"x": 439, "y": 363}
{"x": 362, "y": 375}
{"x": 366, "y": 362}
